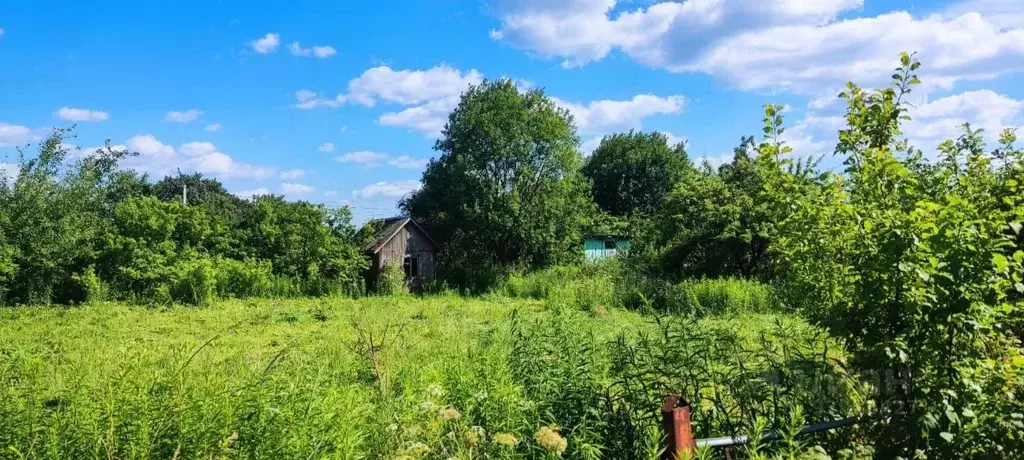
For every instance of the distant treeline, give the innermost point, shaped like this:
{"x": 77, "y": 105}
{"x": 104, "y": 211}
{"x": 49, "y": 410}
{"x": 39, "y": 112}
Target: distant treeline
{"x": 74, "y": 230}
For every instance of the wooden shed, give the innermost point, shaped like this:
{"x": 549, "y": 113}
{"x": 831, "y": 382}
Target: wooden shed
{"x": 404, "y": 242}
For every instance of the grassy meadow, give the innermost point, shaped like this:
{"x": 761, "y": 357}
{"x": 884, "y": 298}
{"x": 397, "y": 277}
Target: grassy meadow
{"x": 378, "y": 377}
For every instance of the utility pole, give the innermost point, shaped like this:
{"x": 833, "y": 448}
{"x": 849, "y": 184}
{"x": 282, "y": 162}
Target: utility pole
{"x": 184, "y": 194}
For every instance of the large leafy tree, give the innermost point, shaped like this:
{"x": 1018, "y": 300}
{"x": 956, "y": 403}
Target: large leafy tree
{"x": 632, "y": 173}
{"x": 506, "y": 189}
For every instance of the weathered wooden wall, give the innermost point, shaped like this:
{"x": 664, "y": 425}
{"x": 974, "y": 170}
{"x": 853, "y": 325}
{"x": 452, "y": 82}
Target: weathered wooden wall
{"x": 409, "y": 242}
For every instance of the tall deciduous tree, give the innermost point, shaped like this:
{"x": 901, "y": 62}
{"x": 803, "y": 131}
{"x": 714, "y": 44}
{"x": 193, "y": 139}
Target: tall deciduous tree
{"x": 632, "y": 173}
{"x": 506, "y": 189}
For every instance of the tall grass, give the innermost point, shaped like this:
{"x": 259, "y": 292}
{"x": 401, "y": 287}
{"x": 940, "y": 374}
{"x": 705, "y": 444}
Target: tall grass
{"x": 379, "y": 377}
{"x": 605, "y": 285}
{"x": 728, "y": 296}
{"x": 589, "y": 286}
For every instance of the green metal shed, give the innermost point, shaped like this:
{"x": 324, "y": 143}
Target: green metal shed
{"x": 602, "y": 247}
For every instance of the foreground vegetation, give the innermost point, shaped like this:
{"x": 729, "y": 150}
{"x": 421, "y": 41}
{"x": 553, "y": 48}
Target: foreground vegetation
{"x": 396, "y": 377}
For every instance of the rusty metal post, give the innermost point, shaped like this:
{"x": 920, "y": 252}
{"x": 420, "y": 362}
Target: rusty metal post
{"x": 675, "y": 420}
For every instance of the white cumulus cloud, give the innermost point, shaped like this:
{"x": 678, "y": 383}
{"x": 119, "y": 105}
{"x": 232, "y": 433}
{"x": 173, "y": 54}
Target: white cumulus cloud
{"x": 409, "y": 87}
{"x": 326, "y": 147}
{"x": 428, "y": 118}
{"x": 293, "y": 174}
{"x": 428, "y": 95}
{"x": 942, "y": 118}
{"x": 15, "y": 135}
{"x": 222, "y": 165}
{"x": 194, "y": 149}
{"x": 363, "y": 157}
{"x": 159, "y": 158}
{"x": 148, "y": 145}
{"x": 316, "y": 51}
{"x": 610, "y": 115}
{"x": 213, "y": 127}
{"x": 374, "y": 159}
{"x": 266, "y": 44}
{"x": 295, "y": 189}
{"x": 73, "y": 114}
{"x": 388, "y": 189}
{"x": 798, "y": 45}
{"x": 246, "y": 194}
{"x": 182, "y": 117}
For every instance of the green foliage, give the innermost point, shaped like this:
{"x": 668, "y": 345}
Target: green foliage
{"x": 244, "y": 278}
{"x": 392, "y": 280}
{"x": 52, "y": 217}
{"x": 89, "y": 286}
{"x": 713, "y": 224}
{"x": 728, "y": 296}
{"x": 194, "y": 282}
{"x": 199, "y": 191}
{"x": 633, "y": 173}
{"x": 590, "y": 286}
{"x": 305, "y": 241}
{"x": 741, "y": 376}
{"x": 150, "y": 239}
{"x": 7, "y": 266}
{"x": 597, "y": 286}
{"x": 75, "y": 231}
{"x": 506, "y": 190}
{"x": 697, "y": 298}
{"x": 915, "y": 265}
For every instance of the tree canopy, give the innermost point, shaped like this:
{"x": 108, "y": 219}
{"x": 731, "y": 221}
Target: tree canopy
{"x": 506, "y": 189}
{"x": 79, "y": 230}
{"x": 633, "y": 173}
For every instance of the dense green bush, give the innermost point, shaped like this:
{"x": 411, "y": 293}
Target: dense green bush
{"x": 391, "y": 280}
{"x": 91, "y": 288}
{"x": 52, "y": 217}
{"x": 632, "y": 173}
{"x": 194, "y": 282}
{"x": 243, "y": 278}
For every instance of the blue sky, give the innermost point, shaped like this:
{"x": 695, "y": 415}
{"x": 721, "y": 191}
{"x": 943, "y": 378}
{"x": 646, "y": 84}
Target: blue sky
{"x": 339, "y": 102}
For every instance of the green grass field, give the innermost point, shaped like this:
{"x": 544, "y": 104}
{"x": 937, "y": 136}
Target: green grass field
{"x": 384, "y": 377}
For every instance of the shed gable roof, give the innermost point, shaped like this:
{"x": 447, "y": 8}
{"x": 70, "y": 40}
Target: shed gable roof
{"x": 391, "y": 228}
